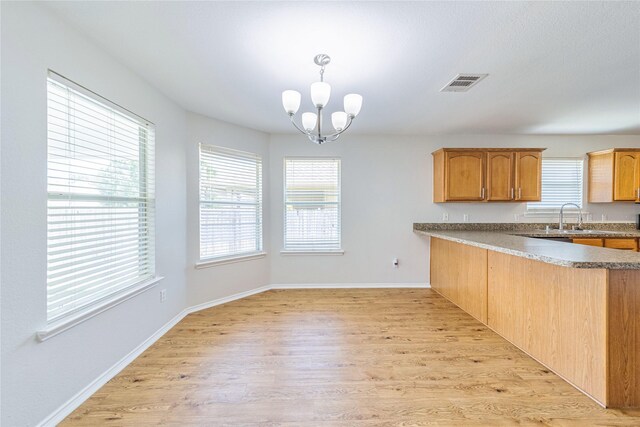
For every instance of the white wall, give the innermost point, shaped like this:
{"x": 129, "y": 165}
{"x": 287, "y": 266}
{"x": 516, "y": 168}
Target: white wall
{"x": 222, "y": 280}
{"x": 38, "y": 377}
{"x": 387, "y": 186}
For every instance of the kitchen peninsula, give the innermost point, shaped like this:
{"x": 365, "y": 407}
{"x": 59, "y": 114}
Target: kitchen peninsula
{"x": 572, "y": 307}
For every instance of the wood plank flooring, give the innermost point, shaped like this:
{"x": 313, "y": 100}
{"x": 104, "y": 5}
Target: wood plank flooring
{"x": 325, "y": 357}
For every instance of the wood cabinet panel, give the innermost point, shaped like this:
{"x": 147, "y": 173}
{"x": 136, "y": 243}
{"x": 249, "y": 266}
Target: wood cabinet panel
{"x": 614, "y": 175}
{"x": 600, "y": 177}
{"x": 626, "y": 176}
{"x": 626, "y": 244}
{"x": 464, "y": 175}
{"x": 589, "y": 242}
{"x": 624, "y": 339}
{"x": 500, "y": 177}
{"x": 555, "y": 314}
{"x": 528, "y": 174}
{"x": 617, "y": 243}
{"x": 438, "y": 177}
{"x": 584, "y": 324}
{"x": 459, "y": 273}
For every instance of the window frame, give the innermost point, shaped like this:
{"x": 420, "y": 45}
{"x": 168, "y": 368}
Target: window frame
{"x": 58, "y": 320}
{"x": 339, "y": 250}
{"x": 205, "y": 262}
{"x": 532, "y": 211}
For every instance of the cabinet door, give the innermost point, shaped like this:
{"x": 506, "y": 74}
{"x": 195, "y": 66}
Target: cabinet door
{"x": 628, "y": 244}
{"x": 464, "y": 179}
{"x": 588, "y": 242}
{"x": 600, "y": 177}
{"x": 500, "y": 186}
{"x": 528, "y": 176}
{"x": 626, "y": 176}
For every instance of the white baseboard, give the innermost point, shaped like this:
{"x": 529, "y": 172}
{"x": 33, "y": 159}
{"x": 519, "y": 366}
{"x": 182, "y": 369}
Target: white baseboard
{"x": 70, "y": 405}
{"x": 225, "y": 300}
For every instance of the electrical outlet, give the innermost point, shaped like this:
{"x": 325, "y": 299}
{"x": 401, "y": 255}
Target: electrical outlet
{"x": 465, "y": 217}
{"x": 445, "y": 216}
{"x": 604, "y": 217}
{"x": 163, "y": 295}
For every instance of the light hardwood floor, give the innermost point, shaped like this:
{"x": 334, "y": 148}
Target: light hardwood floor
{"x": 338, "y": 357}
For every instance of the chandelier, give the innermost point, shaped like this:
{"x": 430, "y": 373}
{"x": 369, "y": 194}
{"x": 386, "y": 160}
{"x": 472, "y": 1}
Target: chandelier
{"x": 320, "y": 92}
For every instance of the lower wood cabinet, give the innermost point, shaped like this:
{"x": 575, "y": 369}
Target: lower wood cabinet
{"x": 589, "y": 242}
{"x": 550, "y": 311}
{"x": 584, "y": 324}
{"x": 459, "y": 273}
{"x": 624, "y": 244}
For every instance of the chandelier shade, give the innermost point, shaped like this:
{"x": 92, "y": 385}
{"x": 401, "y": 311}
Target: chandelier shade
{"x": 309, "y": 121}
{"x": 291, "y": 101}
{"x": 339, "y": 120}
{"x": 320, "y": 94}
{"x": 352, "y": 104}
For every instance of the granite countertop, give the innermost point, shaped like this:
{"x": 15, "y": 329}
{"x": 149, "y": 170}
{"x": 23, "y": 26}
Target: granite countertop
{"x": 580, "y": 234}
{"x": 516, "y": 242}
{"x": 613, "y": 228}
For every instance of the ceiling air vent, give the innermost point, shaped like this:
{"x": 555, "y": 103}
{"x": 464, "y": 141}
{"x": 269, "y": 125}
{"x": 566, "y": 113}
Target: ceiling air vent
{"x": 463, "y": 82}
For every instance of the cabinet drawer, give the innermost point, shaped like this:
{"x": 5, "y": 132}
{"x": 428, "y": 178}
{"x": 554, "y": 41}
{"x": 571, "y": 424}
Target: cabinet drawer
{"x": 589, "y": 242}
{"x": 628, "y": 244}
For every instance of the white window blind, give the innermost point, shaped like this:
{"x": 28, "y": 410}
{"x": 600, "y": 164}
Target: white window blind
{"x": 100, "y": 209}
{"x": 230, "y": 202}
{"x": 312, "y": 204}
{"x": 561, "y": 183}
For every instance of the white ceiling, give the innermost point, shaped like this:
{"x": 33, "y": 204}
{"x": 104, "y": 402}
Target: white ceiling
{"x": 554, "y": 67}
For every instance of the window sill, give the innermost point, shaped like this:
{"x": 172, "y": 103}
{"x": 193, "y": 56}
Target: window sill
{"x": 327, "y": 252}
{"x": 64, "y": 324}
{"x": 230, "y": 260}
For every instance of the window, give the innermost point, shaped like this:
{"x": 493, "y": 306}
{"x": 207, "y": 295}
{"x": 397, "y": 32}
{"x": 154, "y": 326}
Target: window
{"x": 100, "y": 208}
{"x": 230, "y": 203}
{"x": 561, "y": 183}
{"x": 312, "y": 204}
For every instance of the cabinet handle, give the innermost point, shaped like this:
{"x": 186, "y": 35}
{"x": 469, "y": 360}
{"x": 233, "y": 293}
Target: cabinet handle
{"x": 482, "y": 194}
{"x": 520, "y": 193}
{"x": 513, "y": 193}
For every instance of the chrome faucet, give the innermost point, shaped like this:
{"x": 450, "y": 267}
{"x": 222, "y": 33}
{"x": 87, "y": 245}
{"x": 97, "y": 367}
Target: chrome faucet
{"x": 561, "y": 222}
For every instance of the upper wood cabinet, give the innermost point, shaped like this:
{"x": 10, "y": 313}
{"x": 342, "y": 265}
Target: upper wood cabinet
{"x": 464, "y": 175}
{"x": 487, "y": 174}
{"x": 614, "y": 175}
{"x": 528, "y": 186}
{"x": 626, "y": 184}
{"x": 500, "y": 176}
